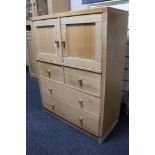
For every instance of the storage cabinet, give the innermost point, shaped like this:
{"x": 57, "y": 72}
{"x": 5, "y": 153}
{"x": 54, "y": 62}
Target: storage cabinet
{"x": 81, "y": 59}
{"x": 47, "y": 34}
{"x": 82, "y": 40}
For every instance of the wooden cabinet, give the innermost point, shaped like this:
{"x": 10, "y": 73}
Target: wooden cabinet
{"x": 81, "y": 59}
{"x": 82, "y": 40}
{"x": 47, "y": 37}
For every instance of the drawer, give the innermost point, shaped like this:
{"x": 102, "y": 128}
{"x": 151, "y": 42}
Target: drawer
{"x": 71, "y": 96}
{"x": 51, "y": 71}
{"x": 81, "y": 119}
{"x": 84, "y": 80}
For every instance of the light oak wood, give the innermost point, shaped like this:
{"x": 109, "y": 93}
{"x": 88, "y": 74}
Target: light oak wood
{"x": 75, "y": 98}
{"x": 89, "y": 81}
{"x": 72, "y": 13}
{"x": 74, "y": 33}
{"x": 89, "y": 94}
{"x": 82, "y": 37}
{"x": 82, "y": 119}
{"x": 51, "y": 71}
{"x": 115, "y": 63}
{"x": 81, "y": 12}
{"x": 70, "y": 65}
{"x": 47, "y": 32}
{"x": 94, "y": 18}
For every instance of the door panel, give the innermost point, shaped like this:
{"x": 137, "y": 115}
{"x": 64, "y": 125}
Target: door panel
{"x": 82, "y": 40}
{"x": 47, "y": 34}
{"x": 74, "y": 41}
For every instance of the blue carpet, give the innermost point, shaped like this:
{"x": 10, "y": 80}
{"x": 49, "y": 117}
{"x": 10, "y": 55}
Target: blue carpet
{"x": 46, "y": 135}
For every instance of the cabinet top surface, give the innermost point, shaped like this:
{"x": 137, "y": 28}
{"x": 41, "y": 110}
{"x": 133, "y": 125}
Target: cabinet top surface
{"x": 81, "y": 12}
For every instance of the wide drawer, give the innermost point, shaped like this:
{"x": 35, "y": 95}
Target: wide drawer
{"x": 84, "y": 80}
{"x": 51, "y": 71}
{"x": 81, "y": 119}
{"x": 71, "y": 96}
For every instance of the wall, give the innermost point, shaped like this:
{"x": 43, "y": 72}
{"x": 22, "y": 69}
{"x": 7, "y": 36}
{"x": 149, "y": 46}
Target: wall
{"x": 77, "y": 5}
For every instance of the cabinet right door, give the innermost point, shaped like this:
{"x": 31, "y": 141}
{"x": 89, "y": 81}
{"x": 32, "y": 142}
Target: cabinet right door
{"x": 82, "y": 40}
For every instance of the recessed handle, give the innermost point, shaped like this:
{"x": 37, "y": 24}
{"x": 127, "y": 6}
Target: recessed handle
{"x": 57, "y": 42}
{"x": 50, "y": 89}
{"x": 52, "y": 106}
{"x": 63, "y": 43}
{"x": 80, "y": 82}
{"x": 81, "y": 120}
{"x": 81, "y": 103}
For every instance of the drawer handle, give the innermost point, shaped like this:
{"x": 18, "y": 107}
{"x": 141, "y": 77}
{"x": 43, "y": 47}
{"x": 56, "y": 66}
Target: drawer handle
{"x": 52, "y": 106}
{"x": 81, "y": 103}
{"x": 57, "y": 42}
{"x": 81, "y": 120}
{"x": 63, "y": 43}
{"x": 80, "y": 82}
{"x": 49, "y": 73}
{"x": 50, "y": 89}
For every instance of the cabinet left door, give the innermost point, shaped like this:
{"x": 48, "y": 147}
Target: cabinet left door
{"x": 47, "y": 37}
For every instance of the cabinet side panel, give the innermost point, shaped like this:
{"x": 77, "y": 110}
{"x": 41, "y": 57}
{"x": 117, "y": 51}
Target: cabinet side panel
{"x": 115, "y": 63}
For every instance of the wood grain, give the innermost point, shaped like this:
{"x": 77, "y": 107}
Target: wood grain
{"x": 115, "y": 63}
{"x": 51, "y": 71}
{"x": 89, "y": 123}
{"x": 90, "y": 103}
{"x": 78, "y": 35}
{"x": 46, "y": 39}
{"x": 46, "y": 33}
{"x": 90, "y": 81}
{"x": 93, "y": 69}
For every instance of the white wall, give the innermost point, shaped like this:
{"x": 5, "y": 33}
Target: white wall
{"x": 77, "y": 5}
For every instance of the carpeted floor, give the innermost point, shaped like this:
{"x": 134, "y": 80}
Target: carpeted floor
{"x": 46, "y": 135}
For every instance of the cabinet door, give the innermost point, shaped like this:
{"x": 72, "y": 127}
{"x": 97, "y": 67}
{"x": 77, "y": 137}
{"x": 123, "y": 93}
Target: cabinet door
{"x": 47, "y": 37}
{"x": 82, "y": 40}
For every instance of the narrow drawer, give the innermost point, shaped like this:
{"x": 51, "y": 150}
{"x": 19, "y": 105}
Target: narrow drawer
{"x": 82, "y": 119}
{"x": 51, "y": 71}
{"x": 84, "y": 80}
{"x": 71, "y": 96}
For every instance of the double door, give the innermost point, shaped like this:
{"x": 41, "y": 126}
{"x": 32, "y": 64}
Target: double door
{"x": 75, "y": 40}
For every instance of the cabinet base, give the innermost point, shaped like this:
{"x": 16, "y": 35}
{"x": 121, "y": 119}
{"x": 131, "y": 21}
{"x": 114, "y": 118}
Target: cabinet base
{"x": 100, "y": 140}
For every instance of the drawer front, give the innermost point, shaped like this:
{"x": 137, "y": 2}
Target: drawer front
{"x": 84, "y": 80}
{"x": 51, "y": 71}
{"x": 71, "y": 96}
{"x": 82, "y": 119}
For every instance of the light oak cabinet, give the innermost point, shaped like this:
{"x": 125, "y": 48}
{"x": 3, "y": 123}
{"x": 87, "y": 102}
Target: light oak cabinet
{"x": 82, "y": 40}
{"x": 81, "y": 59}
{"x": 47, "y": 36}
